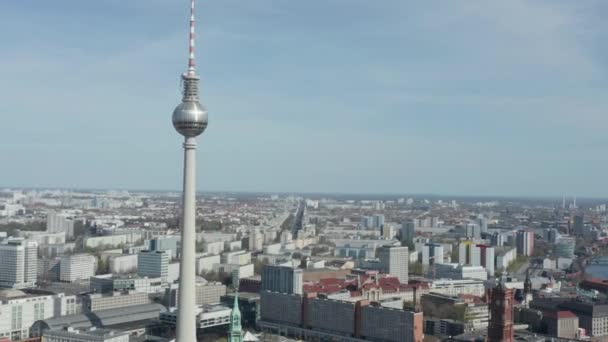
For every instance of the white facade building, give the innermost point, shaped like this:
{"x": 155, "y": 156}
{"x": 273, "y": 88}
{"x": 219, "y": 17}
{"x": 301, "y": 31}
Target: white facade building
{"x": 18, "y": 263}
{"x": 394, "y": 261}
{"x": 123, "y": 263}
{"x": 77, "y": 267}
{"x": 20, "y": 310}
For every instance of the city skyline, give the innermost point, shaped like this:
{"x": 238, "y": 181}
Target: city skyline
{"x": 493, "y": 99}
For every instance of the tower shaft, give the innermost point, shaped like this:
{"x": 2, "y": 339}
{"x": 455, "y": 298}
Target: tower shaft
{"x": 186, "y": 319}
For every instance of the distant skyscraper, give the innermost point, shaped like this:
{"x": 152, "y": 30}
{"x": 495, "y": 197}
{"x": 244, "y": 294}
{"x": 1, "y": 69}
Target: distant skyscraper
{"x": 579, "y": 225}
{"x": 395, "y": 261}
{"x": 483, "y": 223}
{"x": 486, "y": 258}
{"x": 525, "y": 242}
{"x": 472, "y": 230}
{"x": 190, "y": 120}
{"x": 408, "y": 232}
{"x": 468, "y": 254}
{"x": 59, "y": 223}
{"x": 432, "y": 253}
{"x": 18, "y": 264}
{"x": 500, "y": 328}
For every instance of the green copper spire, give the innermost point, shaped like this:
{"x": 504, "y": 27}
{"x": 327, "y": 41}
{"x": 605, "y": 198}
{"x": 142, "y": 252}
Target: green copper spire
{"x": 236, "y": 333}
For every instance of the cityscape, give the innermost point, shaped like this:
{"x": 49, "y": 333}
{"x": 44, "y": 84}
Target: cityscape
{"x": 129, "y": 264}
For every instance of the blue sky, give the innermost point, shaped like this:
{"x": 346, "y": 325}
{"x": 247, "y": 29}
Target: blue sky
{"x": 461, "y": 97}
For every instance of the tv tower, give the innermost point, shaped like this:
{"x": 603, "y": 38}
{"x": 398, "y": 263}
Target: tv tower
{"x": 190, "y": 120}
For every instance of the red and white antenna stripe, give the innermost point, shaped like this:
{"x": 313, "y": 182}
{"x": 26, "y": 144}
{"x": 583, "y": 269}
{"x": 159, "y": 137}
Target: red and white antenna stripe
{"x": 191, "y": 60}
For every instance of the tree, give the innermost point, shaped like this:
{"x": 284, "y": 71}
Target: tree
{"x": 416, "y": 268}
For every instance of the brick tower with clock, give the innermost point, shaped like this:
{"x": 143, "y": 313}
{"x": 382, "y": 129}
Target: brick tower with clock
{"x": 500, "y": 328}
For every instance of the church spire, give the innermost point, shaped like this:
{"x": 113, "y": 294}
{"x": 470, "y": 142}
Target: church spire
{"x": 236, "y": 333}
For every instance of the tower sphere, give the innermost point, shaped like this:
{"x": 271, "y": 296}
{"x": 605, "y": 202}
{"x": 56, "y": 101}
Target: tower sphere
{"x": 190, "y": 118}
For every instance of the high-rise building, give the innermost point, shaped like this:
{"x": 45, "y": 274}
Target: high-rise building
{"x": 153, "y": 264}
{"x": 19, "y": 263}
{"x": 498, "y": 239}
{"x": 77, "y": 267}
{"x": 483, "y": 223}
{"x": 165, "y": 243}
{"x": 468, "y": 254}
{"x": 500, "y": 328}
{"x": 395, "y": 261}
{"x": 486, "y": 258}
{"x": 408, "y": 232}
{"x": 565, "y": 246}
{"x": 525, "y": 242}
{"x": 579, "y": 225}
{"x": 59, "y": 223}
{"x": 283, "y": 279}
{"x": 432, "y": 253}
{"x": 378, "y": 221}
{"x": 472, "y": 230}
{"x": 190, "y": 119}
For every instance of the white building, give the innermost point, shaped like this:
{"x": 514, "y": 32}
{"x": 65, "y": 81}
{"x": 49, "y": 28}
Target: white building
{"x": 205, "y": 263}
{"x": 432, "y": 254}
{"x": 77, "y": 267}
{"x": 153, "y": 264}
{"x": 394, "y": 261}
{"x": 18, "y": 263}
{"x": 454, "y": 287}
{"x": 123, "y": 263}
{"x": 236, "y": 257}
{"x": 213, "y": 247}
{"x": 20, "y": 310}
{"x": 59, "y": 223}
{"x": 504, "y": 257}
{"x": 90, "y": 335}
{"x": 456, "y": 271}
{"x": 256, "y": 240}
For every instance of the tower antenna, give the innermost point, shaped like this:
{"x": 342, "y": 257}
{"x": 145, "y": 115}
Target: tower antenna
{"x": 191, "y": 59}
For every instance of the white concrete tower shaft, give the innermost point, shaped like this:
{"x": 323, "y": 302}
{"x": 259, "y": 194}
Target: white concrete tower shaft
{"x": 186, "y": 319}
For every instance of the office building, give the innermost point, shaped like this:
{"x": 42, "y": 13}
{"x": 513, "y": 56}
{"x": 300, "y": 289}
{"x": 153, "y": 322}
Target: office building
{"x": 564, "y": 247}
{"x": 77, "y": 267}
{"x": 206, "y": 293}
{"x": 394, "y": 261}
{"x": 525, "y": 242}
{"x": 19, "y": 266}
{"x": 123, "y": 263}
{"x": 316, "y": 317}
{"x": 457, "y": 271}
{"x": 105, "y": 301}
{"x": 153, "y": 264}
{"x": 167, "y": 243}
{"x": 486, "y": 258}
{"x": 282, "y": 279}
{"x": 472, "y": 230}
{"x": 466, "y": 309}
{"x": 432, "y": 253}
{"x": 498, "y": 239}
{"x": 408, "y": 232}
{"x": 59, "y": 223}
{"x": 70, "y": 334}
{"x": 19, "y": 310}
{"x": 468, "y": 254}
{"x": 116, "y": 283}
{"x": 483, "y": 223}
{"x": 256, "y": 240}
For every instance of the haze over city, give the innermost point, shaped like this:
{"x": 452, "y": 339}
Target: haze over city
{"x": 319, "y": 96}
